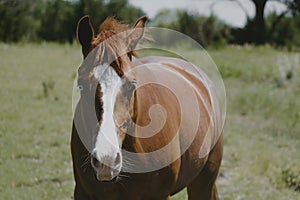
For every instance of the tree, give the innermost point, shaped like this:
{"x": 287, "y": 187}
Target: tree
{"x": 293, "y": 6}
{"x": 17, "y": 20}
{"x": 208, "y": 31}
{"x": 98, "y": 10}
{"x": 286, "y": 32}
{"x": 58, "y": 22}
{"x": 94, "y": 8}
{"x": 259, "y": 29}
{"x": 256, "y": 28}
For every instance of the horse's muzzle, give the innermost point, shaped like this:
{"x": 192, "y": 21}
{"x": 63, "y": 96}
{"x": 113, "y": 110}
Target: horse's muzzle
{"x": 106, "y": 168}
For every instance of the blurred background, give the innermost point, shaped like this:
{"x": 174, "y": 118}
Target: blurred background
{"x": 212, "y": 23}
{"x": 254, "y": 43}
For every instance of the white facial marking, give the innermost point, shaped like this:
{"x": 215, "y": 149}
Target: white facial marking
{"x": 107, "y": 141}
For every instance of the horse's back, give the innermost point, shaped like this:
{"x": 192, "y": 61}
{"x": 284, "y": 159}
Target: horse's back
{"x": 200, "y": 147}
{"x": 187, "y": 77}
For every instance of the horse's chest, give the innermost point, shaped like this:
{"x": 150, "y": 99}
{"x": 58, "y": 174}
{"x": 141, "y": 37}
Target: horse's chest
{"x": 154, "y": 185}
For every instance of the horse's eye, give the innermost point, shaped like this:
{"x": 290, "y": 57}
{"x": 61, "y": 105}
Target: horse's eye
{"x": 130, "y": 87}
{"x": 129, "y": 54}
{"x": 80, "y": 87}
{"x": 123, "y": 127}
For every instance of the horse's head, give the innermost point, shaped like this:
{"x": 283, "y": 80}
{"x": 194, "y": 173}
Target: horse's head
{"x": 107, "y": 76}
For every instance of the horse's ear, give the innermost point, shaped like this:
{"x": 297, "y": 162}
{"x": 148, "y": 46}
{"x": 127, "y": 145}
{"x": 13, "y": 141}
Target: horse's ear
{"x": 137, "y": 32}
{"x": 85, "y": 34}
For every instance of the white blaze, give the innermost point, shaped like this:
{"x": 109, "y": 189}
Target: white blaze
{"x": 107, "y": 141}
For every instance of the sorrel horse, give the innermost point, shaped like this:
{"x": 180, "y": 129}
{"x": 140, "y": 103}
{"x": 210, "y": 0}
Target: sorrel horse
{"x": 122, "y": 117}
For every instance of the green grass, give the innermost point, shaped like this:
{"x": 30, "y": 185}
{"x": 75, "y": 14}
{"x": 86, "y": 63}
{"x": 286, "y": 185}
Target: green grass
{"x": 262, "y": 129}
{"x": 35, "y": 129}
{"x": 261, "y": 135}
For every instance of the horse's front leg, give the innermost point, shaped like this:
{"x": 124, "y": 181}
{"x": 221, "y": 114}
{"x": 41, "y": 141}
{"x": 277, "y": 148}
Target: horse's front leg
{"x": 80, "y": 194}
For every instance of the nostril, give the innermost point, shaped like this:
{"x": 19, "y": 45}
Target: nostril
{"x": 95, "y": 161}
{"x": 118, "y": 158}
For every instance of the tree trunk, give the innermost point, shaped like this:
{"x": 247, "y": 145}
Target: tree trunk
{"x": 259, "y": 29}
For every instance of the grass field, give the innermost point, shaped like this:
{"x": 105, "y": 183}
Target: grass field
{"x": 261, "y": 135}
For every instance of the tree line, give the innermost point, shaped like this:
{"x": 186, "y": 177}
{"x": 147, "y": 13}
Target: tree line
{"x": 56, "y": 20}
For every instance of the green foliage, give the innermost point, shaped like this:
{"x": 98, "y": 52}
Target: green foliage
{"x": 286, "y": 32}
{"x": 229, "y": 71}
{"x": 277, "y": 29}
{"x": 56, "y": 20}
{"x": 288, "y": 176}
{"x": 98, "y": 10}
{"x": 123, "y": 11}
{"x": 48, "y": 89}
{"x": 291, "y": 177}
{"x": 18, "y": 20}
{"x": 208, "y": 31}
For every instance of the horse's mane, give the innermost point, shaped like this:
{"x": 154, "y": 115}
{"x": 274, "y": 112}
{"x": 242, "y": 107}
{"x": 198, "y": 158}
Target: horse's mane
{"x": 112, "y": 34}
{"x": 108, "y": 28}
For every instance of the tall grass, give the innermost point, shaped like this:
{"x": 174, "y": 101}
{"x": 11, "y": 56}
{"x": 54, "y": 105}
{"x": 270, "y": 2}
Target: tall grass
{"x": 261, "y": 134}
{"x": 262, "y": 131}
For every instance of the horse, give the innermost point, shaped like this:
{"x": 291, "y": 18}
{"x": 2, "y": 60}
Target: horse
{"x": 124, "y": 115}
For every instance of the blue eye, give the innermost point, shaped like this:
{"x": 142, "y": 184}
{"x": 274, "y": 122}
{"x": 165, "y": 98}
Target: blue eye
{"x": 80, "y": 87}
